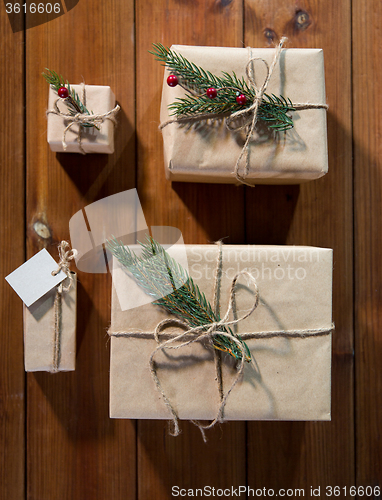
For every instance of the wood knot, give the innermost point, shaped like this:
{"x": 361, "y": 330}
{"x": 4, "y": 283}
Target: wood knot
{"x": 42, "y": 230}
{"x": 270, "y": 35}
{"x": 302, "y": 20}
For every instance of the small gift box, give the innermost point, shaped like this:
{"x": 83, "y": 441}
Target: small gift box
{"x": 206, "y": 150}
{"x": 50, "y": 331}
{"x": 288, "y": 335}
{"x": 71, "y": 133}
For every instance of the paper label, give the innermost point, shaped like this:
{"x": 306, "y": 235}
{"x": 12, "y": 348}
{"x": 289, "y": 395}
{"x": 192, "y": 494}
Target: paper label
{"x": 33, "y": 279}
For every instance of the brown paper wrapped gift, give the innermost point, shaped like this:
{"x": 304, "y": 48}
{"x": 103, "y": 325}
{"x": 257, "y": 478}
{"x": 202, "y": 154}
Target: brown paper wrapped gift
{"x": 50, "y": 332}
{"x": 78, "y": 139}
{"x": 206, "y": 151}
{"x": 290, "y": 378}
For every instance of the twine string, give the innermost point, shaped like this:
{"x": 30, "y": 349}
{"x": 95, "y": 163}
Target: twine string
{"x": 202, "y": 332}
{"x": 65, "y": 255}
{"x": 266, "y": 334}
{"x": 95, "y": 119}
{"x": 57, "y": 329}
{"x": 216, "y": 309}
{"x": 246, "y": 119}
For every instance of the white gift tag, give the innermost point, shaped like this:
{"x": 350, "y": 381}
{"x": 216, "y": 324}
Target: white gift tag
{"x": 33, "y": 279}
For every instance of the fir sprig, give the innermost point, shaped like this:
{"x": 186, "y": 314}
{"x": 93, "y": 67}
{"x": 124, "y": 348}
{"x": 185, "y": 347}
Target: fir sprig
{"x": 273, "y": 110}
{"x": 56, "y": 82}
{"x": 163, "y": 279}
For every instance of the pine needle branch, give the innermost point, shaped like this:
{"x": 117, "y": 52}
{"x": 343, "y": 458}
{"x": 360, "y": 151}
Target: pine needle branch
{"x": 163, "y": 279}
{"x": 273, "y": 110}
{"x": 57, "y": 81}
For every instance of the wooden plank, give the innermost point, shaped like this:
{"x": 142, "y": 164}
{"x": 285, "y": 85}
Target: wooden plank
{"x": 12, "y": 255}
{"x": 302, "y": 454}
{"x": 367, "y": 129}
{"x": 74, "y": 450}
{"x": 204, "y": 213}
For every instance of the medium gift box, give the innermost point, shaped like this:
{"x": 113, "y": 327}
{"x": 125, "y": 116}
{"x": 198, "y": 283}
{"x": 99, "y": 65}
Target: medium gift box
{"x": 204, "y": 150}
{"x": 67, "y": 135}
{"x": 288, "y": 335}
{"x": 50, "y": 331}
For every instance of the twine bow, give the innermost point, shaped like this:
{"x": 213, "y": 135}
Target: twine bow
{"x": 65, "y": 255}
{"x": 249, "y": 114}
{"x": 252, "y": 111}
{"x": 206, "y": 331}
{"x": 82, "y": 119}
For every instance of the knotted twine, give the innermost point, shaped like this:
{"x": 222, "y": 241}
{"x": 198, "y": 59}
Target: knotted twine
{"x": 82, "y": 119}
{"x": 65, "y": 255}
{"x": 208, "y": 331}
{"x": 248, "y": 116}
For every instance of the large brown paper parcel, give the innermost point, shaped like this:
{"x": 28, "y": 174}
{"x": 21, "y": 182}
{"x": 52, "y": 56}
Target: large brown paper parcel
{"x": 99, "y": 100}
{"x": 39, "y": 332}
{"x": 207, "y": 152}
{"x": 292, "y": 379}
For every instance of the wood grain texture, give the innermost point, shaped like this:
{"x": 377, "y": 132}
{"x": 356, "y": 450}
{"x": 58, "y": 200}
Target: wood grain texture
{"x": 367, "y": 129}
{"x": 319, "y": 213}
{"x": 204, "y": 213}
{"x": 69, "y": 447}
{"x": 12, "y": 255}
{"x": 75, "y": 450}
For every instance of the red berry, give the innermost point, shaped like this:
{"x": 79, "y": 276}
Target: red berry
{"x": 212, "y": 93}
{"x": 63, "y": 92}
{"x": 241, "y": 99}
{"x": 172, "y": 81}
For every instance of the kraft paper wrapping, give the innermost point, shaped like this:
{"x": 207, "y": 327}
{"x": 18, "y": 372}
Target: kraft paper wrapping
{"x": 292, "y": 378}
{"x": 99, "y": 100}
{"x": 39, "y": 332}
{"x": 207, "y": 152}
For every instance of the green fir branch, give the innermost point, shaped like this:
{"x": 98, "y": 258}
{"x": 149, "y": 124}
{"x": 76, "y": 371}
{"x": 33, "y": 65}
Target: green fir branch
{"x": 163, "y": 279}
{"x": 57, "y": 81}
{"x": 273, "y": 110}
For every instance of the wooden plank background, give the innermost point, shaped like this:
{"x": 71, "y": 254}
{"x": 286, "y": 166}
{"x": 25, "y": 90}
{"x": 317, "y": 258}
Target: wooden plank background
{"x": 56, "y": 437}
{"x": 12, "y": 255}
{"x": 367, "y": 129}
